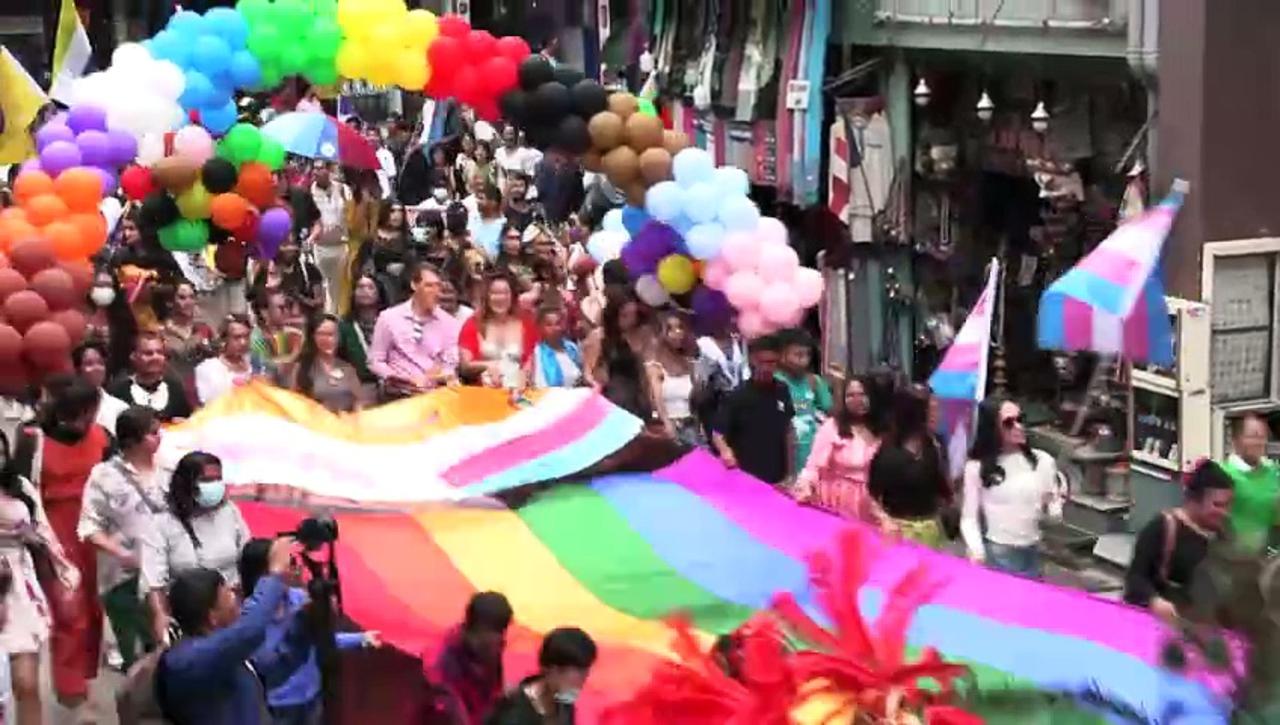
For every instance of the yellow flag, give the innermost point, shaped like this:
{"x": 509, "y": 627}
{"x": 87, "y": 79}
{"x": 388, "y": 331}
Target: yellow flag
{"x": 20, "y": 99}
{"x": 71, "y": 52}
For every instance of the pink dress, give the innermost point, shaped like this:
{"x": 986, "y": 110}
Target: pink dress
{"x": 835, "y": 476}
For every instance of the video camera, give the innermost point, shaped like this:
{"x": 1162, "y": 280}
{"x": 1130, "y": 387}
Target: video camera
{"x": 314, "y": 532}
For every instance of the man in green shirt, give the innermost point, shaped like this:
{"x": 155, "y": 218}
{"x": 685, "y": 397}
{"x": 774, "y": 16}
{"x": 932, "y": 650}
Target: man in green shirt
{"x": 810, "y": 393}
{"x": 1257, "y": 485}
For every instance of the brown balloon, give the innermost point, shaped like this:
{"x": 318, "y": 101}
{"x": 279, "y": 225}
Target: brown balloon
{"x": 81, "y": 272}
{"x": 10, "y": 346}
{"x": 175, "y": 173}
{"x": 606, "y": 130}
{"x": 46, "y": 345}
{"x": 592, "y": 161}
{"x": 635, "y": 193}
{"x": 24, "y": 309}
{"x": 32, "y": 255}
{"x": 674, "y": 141}
{"x": 655, "y": 165}
{"x": 11, "y": 280}
{"x": 623, "y": 104}
{"x": 622, "y": 166}
{"x": 14, "y": 378}
{"x": 643, "y": 132}
{"x": 74, "y": 322}
{"x": 56, "y": 287}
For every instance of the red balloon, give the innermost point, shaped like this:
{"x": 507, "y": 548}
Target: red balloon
{"x": 11, "y": 280}
{"x": 24, "y": 309}
{"x": 467, "y": 86}
{"x": 10, "y": 346}
{"x": 32, "y": 255}
{"x": 46, "y": 345}
{"x": 447, "y": 55}
{"x": 454, "y": 26}
{"x": 14, "y": 378}
{"x": 481, "y": 45}
{"x": 249, "y": 229}
{"x": 56, "y": 287}
{"x": 81, "y": 271}
{"x": 500, "y": 75}
{"x": 513, "y": 47}
{"x": 74, "y": 322}
{"x": 487, "y": 110}
{"x": 137, "y": 182}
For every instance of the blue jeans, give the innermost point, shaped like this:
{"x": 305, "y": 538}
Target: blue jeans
{"x": 1020, "y": 560}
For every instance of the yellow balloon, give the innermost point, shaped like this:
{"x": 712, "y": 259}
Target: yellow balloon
{"x": 422, "y": 26}
{"x": 676, "y": 274}
{"x": 411, "y": 70}
{"x": 382, "y": 69}
{"x": 194, "y": 202}
{"x": 352, "y": 60}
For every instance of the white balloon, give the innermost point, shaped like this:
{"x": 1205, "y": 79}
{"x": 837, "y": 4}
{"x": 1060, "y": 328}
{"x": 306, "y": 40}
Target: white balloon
{"x": 130, "y": 55}
{"x": 650, "y": 291}
{"x": 167, "y": 80}
{"x": 150, "y": 149}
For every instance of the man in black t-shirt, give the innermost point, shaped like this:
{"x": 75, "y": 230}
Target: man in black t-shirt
{"x": 754, "y": 430}
{"x": 150, "y": 383}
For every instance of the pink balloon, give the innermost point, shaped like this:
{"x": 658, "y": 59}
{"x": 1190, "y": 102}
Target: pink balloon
{"x": 778, "y": 303}
{"x": 777, "y": 263}
{"x": 716, "y": 273}
{"x": 743, "y": 290}
{"x": 752, "y": 325}
{"x": 193, "y": 142}
{"x": 740, "y": 250}
{"x": 808, "y": 284}
{"x": 771, "y": 231}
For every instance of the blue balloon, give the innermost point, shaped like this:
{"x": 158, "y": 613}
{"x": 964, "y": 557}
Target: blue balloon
{"x": 704, "y": 240}
{"x": 219, "y": 119}
{"x": 186, "y": 23}
{"x": 701, "y": 202}
{"x": 199, "y": 91}
{"x": 228, "y": 24}
{"x": 738, "y": 214}
{"x": 692, "y": 166}
{"x": 210, "y": 54}
{"x": 170, "y": 46}
{"x": 732, "y": 181}
{"x": 682, "y": 224}
{"x": 664, "y": 201}
{"x": 612, "y": 221}
{"x": 633, "y": 220}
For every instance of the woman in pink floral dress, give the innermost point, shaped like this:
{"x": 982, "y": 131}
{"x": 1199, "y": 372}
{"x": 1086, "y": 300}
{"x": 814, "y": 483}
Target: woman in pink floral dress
{"x": 835, "y": 475}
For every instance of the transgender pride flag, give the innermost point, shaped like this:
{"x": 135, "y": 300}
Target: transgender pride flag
{"x": 1112, "y": 302}
{"x": 960, "y": 382}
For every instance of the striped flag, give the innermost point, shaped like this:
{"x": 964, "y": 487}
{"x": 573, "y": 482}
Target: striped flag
{"x": 960, "y": 382}
{"x": 71, "y": 52}
{"x": 21, "y": 99}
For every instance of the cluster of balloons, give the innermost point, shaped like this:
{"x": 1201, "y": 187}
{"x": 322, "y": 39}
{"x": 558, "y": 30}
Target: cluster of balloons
{"x": 83, "y": 137}
{"x": 138, "y": 91}
{"x": 553, "y": 105}
{"x": 703, "y": 202}
{"x": 630, "y": 146}
{"x": 212, "y": 51}
{"x": 63, "y": 213}
{"x": 293, "y": 37}
{"x": 384, "y": 42}
{"x": 472, "y": 65}
{"x": 760, "y": 275}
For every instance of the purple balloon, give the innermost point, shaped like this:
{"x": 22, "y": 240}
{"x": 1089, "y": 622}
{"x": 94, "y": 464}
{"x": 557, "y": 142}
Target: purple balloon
{"x": 59, "y": 156}
{"x": 711, "y": 310}
{"x": 109, "y": 180}
{"x": 87, "y": 118}
{"x": 656, "y": 240}
{"x": 30, "y": 165}
{"x": 95, "y": 148}
{"x": 123, "y": 147}
{"x": 51, "y": 132}
{"x": 273, "y": 228}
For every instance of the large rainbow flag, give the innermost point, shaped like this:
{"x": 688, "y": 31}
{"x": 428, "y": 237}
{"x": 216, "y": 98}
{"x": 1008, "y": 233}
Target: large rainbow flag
{"x": 616, "y": 554}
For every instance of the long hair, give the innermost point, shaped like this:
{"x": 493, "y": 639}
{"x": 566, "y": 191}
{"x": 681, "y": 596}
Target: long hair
{"x": 986, "y": 446}
{"x": 183, "y": 486}
{"x": 11, "y": 481}
{"x": 613, "y": 337}
{"x": 846, "y": 420}
{"x": 306, "y": 383}
{"x": 909, "y": 418}
{"x": 483, "y": 312}
{"x": 383, "y": 297}
{"x": 122, "y": 324}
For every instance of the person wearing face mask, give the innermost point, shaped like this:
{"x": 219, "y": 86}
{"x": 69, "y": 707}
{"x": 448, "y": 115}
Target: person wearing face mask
{"x": 151, "y": 384}
{"x": 111, "y": 322}
{"x": 121, "y": 498}
{"x": 200, "y": 528}
{"x": 564, "y": 661}
{"x": 1255, "y": 514}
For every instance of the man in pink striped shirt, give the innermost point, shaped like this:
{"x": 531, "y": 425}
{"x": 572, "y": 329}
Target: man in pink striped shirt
{"x": 415, "y": 344}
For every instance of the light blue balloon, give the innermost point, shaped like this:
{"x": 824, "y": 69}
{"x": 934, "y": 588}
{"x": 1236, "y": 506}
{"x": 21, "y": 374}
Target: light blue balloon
{"x": 219, "y": 119}
{"x": 170, "y": 46}
{"x": 738, "y": 214}
{"x": 199, "y": 91}
{"x": 701, "y": 202}
{"x": 613, "y": 221}
{"x": 704, "y": 240}
{"x": 692, "y": 166}
{"x": 605, "y": 245}
{"x": 186, "y": 23}
{"x": 210, "y": 54}
{"x": 731, "y": 180}
{"x": 682, "y": 224}
{"x": 228, "y": 24}
{"x": 663, "y": 201}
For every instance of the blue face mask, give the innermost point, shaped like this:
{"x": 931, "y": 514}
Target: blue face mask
{"x": 210, "y": 493}
{"x": 566, "y": 697}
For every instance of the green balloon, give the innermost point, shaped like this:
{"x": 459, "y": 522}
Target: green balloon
{"x": 243, "y": 143}
{"x": 254, "y": 10}
{"x": 322, "y": 74}
{"x": 184, "y": 235}
{"x": 646, "y": 107}
{"x": 272, "y": 76}
{"x": 325, "y": 36}
{"x": 325, "y": 9}
{"x": 271, "y": 154}
{"x": 292, "y": 13}
{"x": 294, "y": 59}
{"x": 265, "y": 43}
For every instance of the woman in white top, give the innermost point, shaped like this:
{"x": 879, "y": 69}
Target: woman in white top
{"x": 497, "y": 342}
{"x": 90, "y": 360}
{"x": 1013, "y": 486}
{"x": 670, "y": 371}
{"x": 201, "y": 528}
{"x": 219, "y": 375}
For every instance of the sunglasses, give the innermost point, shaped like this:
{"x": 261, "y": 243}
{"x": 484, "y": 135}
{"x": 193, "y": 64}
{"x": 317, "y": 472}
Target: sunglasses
{"x": 1011, "y": 423}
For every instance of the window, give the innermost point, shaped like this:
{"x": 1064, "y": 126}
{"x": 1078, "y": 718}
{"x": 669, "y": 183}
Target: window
{"x": 1243, "y": 327}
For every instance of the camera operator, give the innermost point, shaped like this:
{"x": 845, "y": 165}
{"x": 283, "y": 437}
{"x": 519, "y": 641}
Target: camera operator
{"x": 296, "y": 701}
{"x": 215, "y": 674}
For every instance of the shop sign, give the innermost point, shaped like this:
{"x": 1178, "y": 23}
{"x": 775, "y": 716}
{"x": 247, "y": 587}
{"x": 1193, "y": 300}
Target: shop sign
{"x": 797, "y": 95}
{"x": 362, "y": 88}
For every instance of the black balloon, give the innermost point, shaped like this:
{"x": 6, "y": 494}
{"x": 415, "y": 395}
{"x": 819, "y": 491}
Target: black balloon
{"x": 540, "y": 136}
{"x": 514, "y": 107}
{"x": 218, "y": 175}
{"x": 534, "y": 71}
{"x": 589, "y": 98}
{"x": 572, "y": 135}
{"x": 158, "y": 210}
{"x": 568, "y": 76}
{"x": 550, "y": 103}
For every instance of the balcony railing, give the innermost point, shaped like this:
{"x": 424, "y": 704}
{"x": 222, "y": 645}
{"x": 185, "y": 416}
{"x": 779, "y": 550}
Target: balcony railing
{"x": 1106, "y": 15}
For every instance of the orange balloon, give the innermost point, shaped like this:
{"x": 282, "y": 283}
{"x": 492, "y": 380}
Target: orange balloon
{"x": 67, "y": 240}
{"x": 80, "y": 188}
{"x": 93, "y": 233}
{"x": 46, "y": 208}
{"x": 13, "y": 213}
{"x": 31, "y": 184}
{"x": 228, "y": 211}
{"x": 256, "y": 184}
{"x": 15, "y": 230}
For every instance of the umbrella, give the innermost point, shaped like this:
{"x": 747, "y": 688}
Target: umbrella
{"x": 318, "y": 136}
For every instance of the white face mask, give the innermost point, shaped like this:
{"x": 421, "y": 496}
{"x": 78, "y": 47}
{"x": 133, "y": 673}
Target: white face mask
{"x": 567, "y": 697}
{"x": 102, "y": 296}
